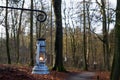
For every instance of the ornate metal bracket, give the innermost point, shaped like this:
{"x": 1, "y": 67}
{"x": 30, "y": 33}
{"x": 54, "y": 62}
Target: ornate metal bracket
{"x": 41, "y": 16}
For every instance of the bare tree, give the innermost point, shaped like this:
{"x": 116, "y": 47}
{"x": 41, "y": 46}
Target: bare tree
{"x": 115, "y": 72}
{"x": 59, "y": 37}
{"x": 7, "y": 34}
{"x": 19, "y": 32}
{"x": 31, "y": 36}
{"x": 105, "y": 40}
{"x": 84, "y": 36}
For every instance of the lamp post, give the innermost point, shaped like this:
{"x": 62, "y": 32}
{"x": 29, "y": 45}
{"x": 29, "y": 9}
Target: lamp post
{"x": 40, "y": 66}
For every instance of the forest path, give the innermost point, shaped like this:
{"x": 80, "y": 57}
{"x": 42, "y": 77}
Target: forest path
{"x": 83, "y": 76}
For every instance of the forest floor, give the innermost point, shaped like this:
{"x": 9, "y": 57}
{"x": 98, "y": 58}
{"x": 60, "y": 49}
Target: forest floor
{"x": 18, "y": 72}
{"x": 83, "y": 76}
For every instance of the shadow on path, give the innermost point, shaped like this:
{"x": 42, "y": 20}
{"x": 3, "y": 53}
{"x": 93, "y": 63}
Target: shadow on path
{"x": 83, "y": 76}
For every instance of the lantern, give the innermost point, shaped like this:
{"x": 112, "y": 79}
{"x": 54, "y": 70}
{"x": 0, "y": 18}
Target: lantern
{"x": 40, "y": 67}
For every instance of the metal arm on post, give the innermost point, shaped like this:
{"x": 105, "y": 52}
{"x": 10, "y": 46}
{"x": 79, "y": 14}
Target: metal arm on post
{"x": 41, "y": 17}
{"x": 40, "y": 67}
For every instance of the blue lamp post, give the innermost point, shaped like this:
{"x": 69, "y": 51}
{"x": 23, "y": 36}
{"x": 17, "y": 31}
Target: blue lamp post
{"x": 40, "y": 66}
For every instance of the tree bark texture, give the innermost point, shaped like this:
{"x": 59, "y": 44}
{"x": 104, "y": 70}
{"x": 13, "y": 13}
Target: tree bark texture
{"x": 115, "y": 73}
{"x": 105, "y": 38}
{"x": 59, "y": 36}
{"x": 31, "y": 36}
{"x": 7, "y": 34}
{"x": 18, "y": 34}
{"x": 84, "y": 37}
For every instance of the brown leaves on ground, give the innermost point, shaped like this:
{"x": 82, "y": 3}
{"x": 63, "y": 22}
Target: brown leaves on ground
{"x": 102, "y": 75}
{"x": 13, "y": 72}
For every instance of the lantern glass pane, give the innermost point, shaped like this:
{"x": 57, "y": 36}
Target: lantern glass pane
{"x": 42, "y": 57}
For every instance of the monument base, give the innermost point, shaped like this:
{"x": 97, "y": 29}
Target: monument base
{"x": 40, "y": 69}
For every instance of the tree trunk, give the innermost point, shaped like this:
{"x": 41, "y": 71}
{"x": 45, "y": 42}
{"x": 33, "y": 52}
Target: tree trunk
{"x": 84, "y": 37}
{"x": 105, "y": 38}
{"x": 14, "y": 23}
{"x": 51, "y": 38}
{"x": 59, "y": 37}
{"x": 18, "y": 33}
{"x": 31, "y": 36}
{"x": 7, "y": 34}
{"x": 115, "y": 73}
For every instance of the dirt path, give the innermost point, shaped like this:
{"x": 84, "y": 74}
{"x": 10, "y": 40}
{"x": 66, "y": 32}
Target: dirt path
{"x": 83, "y": 76}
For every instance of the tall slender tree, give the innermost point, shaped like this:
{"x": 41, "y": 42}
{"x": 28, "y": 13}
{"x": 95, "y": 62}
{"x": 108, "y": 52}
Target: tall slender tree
{"x": 31, "y": 36}
{"x": 106, "y": 53}
{"x": 59, "y": 36}
{"x": 18, "y": 33}
{"x": 105, "y": 36}
{"x": 7, "y": 34}
{"x": 115, "y": 73}
{"x": 51, "y": 36}
{"x": 84, "y": 37}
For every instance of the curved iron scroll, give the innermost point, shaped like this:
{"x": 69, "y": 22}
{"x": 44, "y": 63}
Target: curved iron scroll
{"x": 41, "y": 17}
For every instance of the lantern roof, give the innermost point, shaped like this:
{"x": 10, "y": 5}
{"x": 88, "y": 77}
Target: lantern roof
{"x": 41, "y": 39}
